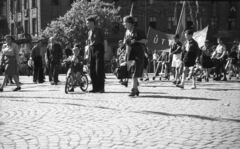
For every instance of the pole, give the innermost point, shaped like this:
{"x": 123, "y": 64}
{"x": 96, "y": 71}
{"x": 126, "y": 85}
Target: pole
{"x": 145, "y": 16}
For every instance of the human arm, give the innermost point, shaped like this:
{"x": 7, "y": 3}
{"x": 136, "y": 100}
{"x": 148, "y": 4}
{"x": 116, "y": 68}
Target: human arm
{"x": 16, "y": 53}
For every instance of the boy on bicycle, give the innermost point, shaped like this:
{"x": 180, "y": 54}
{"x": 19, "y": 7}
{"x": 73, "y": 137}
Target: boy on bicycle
{"x": 76, "y": 64}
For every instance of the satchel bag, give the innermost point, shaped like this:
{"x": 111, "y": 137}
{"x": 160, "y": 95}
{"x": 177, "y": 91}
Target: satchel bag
{"x": 121, "y": 72}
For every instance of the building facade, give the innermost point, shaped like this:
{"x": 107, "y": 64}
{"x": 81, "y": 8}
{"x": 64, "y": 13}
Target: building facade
{"x": 32, "y": 16}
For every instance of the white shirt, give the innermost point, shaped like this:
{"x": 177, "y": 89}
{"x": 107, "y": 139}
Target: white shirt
{"x": 155, "y": 56}
{"x": 220, "y": 49}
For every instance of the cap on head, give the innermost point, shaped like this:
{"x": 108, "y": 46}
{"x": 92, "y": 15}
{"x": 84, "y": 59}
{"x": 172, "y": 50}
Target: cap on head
{"x": 189, "y": 32}
{"x": 129, "y": 19}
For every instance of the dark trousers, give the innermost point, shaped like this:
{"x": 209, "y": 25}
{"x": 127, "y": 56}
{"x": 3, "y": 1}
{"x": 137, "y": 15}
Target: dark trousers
{"x": 37, "y": 69}
{"x": 49, "y": 72}
{"x": 53, "y": 73}
{"x": 97, "y": 72}
{"x": 220, "y": 66}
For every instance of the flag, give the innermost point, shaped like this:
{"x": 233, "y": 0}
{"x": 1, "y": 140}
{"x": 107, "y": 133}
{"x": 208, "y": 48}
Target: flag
{"x": 175, "y": 14}
{"x": 200, "y": 36}
{"x": 160, "y": 41}
{"x": 182, "y": 23}
{"x": 131, "y": 12}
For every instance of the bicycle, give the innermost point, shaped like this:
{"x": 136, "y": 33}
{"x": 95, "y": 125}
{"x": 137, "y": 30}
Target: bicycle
{"x": 72, "y": 81}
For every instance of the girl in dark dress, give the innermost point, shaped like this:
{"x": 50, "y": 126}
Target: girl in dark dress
{"x": 207, "y": 62}
{"x": 135, "y": 39}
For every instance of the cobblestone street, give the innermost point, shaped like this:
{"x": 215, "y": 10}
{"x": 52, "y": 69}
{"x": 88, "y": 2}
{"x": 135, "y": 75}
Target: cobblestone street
{"x": 42, "y": 116}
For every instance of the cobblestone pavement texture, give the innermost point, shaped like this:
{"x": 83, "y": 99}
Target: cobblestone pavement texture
{"x": 42, "y": 116}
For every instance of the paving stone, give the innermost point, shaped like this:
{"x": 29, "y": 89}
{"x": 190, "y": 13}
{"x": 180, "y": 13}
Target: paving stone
{"x": 163, "y": 116}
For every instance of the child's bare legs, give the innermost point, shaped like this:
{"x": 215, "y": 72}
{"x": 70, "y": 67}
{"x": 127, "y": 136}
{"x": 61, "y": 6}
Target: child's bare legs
{"x": 184, "y": 75}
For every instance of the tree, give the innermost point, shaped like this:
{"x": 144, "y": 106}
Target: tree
{"x": 72, "y": 27}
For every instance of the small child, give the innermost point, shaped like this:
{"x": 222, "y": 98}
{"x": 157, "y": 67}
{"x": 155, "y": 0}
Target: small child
{"x": 76, "y": 64}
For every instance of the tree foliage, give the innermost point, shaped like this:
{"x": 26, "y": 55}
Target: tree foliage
{"x": 72, "y": 26}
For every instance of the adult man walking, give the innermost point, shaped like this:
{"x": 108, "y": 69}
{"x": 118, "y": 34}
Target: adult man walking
{"x": 97, "y": 45}
{"x": 36, "y": 56}
{"x": 54, "y": 56}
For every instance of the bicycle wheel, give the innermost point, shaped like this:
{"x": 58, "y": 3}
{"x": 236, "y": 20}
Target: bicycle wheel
{"x": 68, "y": 84}
{"x": 84, "y": 82}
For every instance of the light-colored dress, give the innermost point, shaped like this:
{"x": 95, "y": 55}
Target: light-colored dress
{"x": 10, "y": 58}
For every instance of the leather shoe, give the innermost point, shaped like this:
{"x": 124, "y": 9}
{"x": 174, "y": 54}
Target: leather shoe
{"x": 102, "y": 91}
{"x": 180, "y": 86}
{"x": 1, "y": 89}
{"x": 93, "y": 91}
{"x": 16, "y": 89}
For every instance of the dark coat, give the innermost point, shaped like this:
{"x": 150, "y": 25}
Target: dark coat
{"x": 189, "y": 57}
{"x": 54, "y": 53}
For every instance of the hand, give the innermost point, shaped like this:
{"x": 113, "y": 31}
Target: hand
{"x": 146, "y": 55}
{"x": 133, "y": 41}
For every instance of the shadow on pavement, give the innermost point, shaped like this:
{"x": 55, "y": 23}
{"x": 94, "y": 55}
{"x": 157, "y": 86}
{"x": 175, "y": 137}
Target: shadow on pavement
{"x": 221, "y": 89}
{"x": 179, "y": 97}
{"x": 17, "y": 97}
{"x": 1, "y": 123}
{"x": 192, "y": 116}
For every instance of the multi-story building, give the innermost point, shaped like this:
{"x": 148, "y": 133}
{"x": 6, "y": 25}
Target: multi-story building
{"x": 3, "y": 20}
{"x": 32, "y": 16}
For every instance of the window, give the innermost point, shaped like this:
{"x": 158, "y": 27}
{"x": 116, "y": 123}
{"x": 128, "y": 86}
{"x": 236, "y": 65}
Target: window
{"x": 19, "y": 26}
{"x": 25, "y": 4}
{"x": 55, "y": 2}
{"x": 26, "y": 29}
{"x": 34, "y": 26}
{"x": 116, "y": 2}
{"x": 136, "y": 21}
{"x": 213, "y": 21}
{"x": 34, "y": 3}
{"x": 116, "y": 28}
{"x": 151, "y": 2}
{"x": 231, "y": 24}
{"x": 11, "y": 6}
{"x": 19, "y": 6}
{"x": 153, "y": 22}
{"x": 171, "y": 23}
{"x": 12, "y": 29}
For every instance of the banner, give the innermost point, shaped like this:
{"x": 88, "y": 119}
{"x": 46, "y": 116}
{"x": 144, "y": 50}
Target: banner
{"x": 158, "y": 40}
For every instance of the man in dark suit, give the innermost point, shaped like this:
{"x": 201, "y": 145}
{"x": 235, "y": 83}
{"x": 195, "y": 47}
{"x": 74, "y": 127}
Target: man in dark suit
{"x": 54, "y": 56}
{"x": 97, "y": 45}
{"x": 36, "y": 56}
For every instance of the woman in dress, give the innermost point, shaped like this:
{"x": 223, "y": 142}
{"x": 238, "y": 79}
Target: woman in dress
{"x": 10, "y": 61}
{"x": 207, "y": 62}
{"x": 135, "y": 39}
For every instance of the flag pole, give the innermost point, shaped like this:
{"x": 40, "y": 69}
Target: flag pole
{"x": 183, "y": 7}
{"x": 131, "y": 12}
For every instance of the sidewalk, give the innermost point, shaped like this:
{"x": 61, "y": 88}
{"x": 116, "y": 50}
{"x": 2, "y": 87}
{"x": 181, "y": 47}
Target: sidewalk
{"x": 163, "y": 116}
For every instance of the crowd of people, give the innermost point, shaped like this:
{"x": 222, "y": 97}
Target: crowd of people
{"x": 184, "y": 60}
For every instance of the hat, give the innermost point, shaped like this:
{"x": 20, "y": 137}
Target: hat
{"x": 176, "y": 36}
{"x": 129, "y": 19}
{"x": 189, "y": 32}
{"x": 9, "y": 36}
